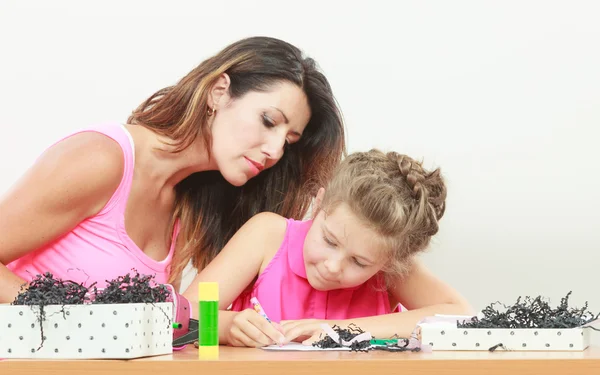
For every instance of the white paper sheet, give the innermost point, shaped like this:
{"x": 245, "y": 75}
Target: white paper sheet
{"x": 296, "y": 346}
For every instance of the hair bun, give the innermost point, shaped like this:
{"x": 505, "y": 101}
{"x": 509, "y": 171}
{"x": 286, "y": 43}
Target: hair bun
{"x": 426, "y": 187}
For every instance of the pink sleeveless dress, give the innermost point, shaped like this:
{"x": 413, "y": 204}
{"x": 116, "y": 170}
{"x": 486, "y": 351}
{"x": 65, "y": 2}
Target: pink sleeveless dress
{"x": 285, "y": 293}
{"x": 98, "y": 249}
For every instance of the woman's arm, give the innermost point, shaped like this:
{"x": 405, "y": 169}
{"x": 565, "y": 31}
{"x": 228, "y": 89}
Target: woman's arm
{"x": 422, "y": 293}
{"x": 71, "y": 181}
{"x": 233, "y": 269}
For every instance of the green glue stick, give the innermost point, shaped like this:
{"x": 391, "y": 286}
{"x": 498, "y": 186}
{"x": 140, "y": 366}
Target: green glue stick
{"x": 208, "y": 320}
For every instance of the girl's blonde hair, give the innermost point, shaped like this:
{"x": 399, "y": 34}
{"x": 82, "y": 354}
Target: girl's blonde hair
{"x": 394, "y": 196}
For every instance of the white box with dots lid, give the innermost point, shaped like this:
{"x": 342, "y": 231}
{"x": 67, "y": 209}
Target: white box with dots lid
{"x": 86, "y": 331}
{"x": 445, "y": 336}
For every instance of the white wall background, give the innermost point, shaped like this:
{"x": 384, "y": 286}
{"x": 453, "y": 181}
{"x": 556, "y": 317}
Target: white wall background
{"x": 504, "y": 96}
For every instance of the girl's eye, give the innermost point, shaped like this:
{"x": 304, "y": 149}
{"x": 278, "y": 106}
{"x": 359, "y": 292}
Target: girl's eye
{"x": 328, "y": 241}
{"x": 359, "y": 263}
{"x": 267, "y": 121}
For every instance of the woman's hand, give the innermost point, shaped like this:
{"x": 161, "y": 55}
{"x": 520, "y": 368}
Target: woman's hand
{"x": 250, "y": 329}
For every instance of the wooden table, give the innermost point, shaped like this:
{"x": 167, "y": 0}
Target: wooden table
{"x": 260, "y": 362}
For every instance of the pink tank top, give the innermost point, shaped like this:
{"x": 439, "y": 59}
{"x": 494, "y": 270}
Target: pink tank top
{"x": 98, "y": 249}
{"x": 285, "y": 293}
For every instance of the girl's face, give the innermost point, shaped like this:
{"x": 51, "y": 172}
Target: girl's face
{"x": 340, "y": 251}
{"x": 249, "y": 134}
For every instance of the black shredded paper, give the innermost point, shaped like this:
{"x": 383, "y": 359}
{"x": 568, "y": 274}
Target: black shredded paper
{"x": 532, "y": 313}
{"x": 526, "y": 312}
{"x": 46, "y": 290}
{"x": 347, "y": 334}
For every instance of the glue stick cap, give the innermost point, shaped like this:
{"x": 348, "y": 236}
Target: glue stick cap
{"x": 208, "y": 352}
{"x": 208, "y": 291}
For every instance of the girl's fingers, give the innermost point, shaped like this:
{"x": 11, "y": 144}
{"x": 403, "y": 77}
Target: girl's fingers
{"x": 301, "y": 331}
{"x": 286, "y": 326}
{"x": 239, "y": 338}
{"x": 278, "y": 327}
{"x": 314, "y": 338}
{"x": 267, "y": 329}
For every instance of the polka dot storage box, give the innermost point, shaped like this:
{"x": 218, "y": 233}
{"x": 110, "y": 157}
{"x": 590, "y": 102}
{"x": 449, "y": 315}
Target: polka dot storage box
{"x": 442, "y": 334}
{"x": 88, "y": 331}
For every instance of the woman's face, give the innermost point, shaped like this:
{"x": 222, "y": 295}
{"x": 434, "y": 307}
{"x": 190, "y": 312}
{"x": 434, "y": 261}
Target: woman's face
{"x": 249, "y": 133}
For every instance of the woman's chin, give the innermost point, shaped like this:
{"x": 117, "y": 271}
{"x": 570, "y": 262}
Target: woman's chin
{"x": 238, "y": 179}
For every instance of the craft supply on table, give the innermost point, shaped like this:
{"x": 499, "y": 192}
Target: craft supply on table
{"x": 53, "y": 318}
{"x": 258, "y": 308}
{"x": 208, "y": 320}
{"x": 530, "y": 324}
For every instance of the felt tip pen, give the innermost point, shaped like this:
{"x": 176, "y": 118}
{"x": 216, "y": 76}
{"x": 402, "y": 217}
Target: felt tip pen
{"x": 384, "y": 342}
{"x": 258, "y": 308}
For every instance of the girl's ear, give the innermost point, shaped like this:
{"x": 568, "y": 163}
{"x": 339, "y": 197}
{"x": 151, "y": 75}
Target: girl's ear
{"x": 318, "y": 202}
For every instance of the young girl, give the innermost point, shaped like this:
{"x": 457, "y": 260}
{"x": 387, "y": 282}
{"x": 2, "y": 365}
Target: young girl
{"x": 350, "y": 264}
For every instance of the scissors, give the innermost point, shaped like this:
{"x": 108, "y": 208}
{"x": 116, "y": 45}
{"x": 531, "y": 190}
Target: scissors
{"x": 188, "y": 337}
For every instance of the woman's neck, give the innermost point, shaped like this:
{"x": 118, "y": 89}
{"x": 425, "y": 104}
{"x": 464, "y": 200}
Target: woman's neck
{"x": 155, "y": 160}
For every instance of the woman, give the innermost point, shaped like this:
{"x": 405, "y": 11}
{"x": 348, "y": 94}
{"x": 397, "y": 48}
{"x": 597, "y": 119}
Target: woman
{"x": 254, "y": 128}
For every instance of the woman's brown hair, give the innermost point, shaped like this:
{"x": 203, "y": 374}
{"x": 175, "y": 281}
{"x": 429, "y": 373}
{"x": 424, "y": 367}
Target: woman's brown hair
{"x": 209, "y": 208}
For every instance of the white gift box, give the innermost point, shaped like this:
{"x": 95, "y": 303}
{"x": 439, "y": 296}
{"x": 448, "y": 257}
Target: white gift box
{"x": 444, "y": 335}
{"x": 88, "y": 331}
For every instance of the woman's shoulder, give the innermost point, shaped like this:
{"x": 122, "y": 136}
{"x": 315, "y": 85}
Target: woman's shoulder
{"x": 91, "y": 162}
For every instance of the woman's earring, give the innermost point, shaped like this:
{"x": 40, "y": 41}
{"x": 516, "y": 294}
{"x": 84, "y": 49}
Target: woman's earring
{"x": 211, "y": 111}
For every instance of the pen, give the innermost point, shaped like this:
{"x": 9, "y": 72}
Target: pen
{"x": 258, "y": 308}
{"x": 384, "y": 342}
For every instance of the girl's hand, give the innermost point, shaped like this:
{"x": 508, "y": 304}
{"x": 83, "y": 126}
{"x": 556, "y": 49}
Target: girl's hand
{"x": 306, "y": 331}
{"x": 248, "y": 328}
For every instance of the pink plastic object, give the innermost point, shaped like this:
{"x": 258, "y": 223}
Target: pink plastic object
{"x": 182, "y": 309}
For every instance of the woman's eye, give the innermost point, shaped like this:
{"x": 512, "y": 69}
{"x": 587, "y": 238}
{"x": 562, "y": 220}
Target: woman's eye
{"x": 267, "y": 121}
